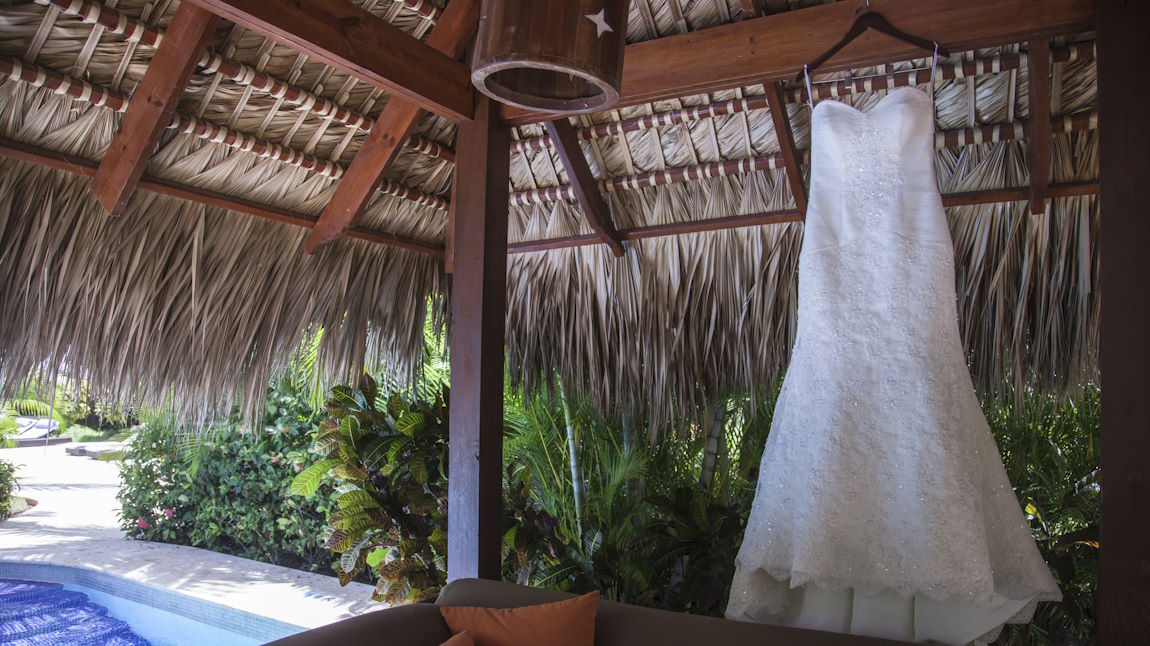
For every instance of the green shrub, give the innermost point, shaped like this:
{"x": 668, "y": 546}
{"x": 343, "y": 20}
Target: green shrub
{"x": 8, "y": 487}
{"x": 227, "y": 490}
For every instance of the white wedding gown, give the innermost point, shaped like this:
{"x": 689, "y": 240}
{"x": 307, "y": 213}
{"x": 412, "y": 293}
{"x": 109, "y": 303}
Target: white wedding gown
{"x": 882, "y": 507}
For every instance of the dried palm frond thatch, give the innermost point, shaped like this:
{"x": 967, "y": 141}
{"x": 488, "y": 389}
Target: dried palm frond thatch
{"x": 181, "y": 301}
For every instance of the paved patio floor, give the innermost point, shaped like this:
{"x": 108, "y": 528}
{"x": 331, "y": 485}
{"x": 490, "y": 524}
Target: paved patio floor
{"x": 76, "y": 524}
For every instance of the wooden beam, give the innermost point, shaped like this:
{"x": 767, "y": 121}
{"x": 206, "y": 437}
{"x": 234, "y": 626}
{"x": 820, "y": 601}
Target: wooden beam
{"x": 1038, "y": 126}
{"x": 1124, "y": 346}
{"x": 992, "y": 196}
{"x": 389, "y": 134}
{"x": 151, "y": 107}
{"x": 786, "y": 137}
{"x": 775, "y": 47}
{"x": 343, "y": 35}
{"x": 478, "y": 312}
{"x": 586, "y": 189}
{"x": 87, "y": 168}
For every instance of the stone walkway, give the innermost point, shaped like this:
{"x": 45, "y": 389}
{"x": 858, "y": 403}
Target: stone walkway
{"x": 76, "y": 525}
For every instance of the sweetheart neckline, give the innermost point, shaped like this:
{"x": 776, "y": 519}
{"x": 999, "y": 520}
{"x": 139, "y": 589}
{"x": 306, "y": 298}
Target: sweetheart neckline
{"x": 889, "y": 94}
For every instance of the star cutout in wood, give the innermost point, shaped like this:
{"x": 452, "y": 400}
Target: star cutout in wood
{"x": 601, "y": 26}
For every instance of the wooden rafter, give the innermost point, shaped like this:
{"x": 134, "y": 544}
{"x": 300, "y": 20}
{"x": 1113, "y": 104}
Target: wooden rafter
{"x": 1038, "y": 126}
{"x": 775, "y": 47}
{"x": 456, "y": 28}
{"x": 586, "y": 189}
{"x": 352, "y": 40}
{"x": 87, "y": 168}
{"x": 790, "y": 152}
{"x": 150, "y": 110}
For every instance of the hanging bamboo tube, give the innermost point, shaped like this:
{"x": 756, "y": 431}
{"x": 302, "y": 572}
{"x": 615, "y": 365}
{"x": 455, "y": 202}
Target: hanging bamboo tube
{"x": 563, "y": 56}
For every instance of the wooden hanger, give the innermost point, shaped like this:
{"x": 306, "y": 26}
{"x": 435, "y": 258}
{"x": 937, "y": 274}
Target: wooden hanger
{"x": 872, "y": 20}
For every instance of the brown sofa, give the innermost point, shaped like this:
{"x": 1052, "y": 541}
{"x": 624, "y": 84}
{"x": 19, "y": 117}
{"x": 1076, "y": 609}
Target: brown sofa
{"x": 616, "y": 624}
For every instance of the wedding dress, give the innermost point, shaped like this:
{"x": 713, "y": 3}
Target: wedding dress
{"x": 882, "y": 506}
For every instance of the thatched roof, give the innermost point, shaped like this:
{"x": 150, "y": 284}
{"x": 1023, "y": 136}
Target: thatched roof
{"x": 178, "y": 297}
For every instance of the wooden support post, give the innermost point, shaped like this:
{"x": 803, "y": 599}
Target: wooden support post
{"x": 388, "y": 134}
{"x": 786, "y": 136}
{"x": 1124, "y": 134}
{"x": 586, "y": 189}
{"x": 478, "y": 310}
{"x": 1038, "y": 126}
{"x": 151, "y": 107}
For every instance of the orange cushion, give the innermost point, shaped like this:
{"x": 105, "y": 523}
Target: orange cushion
{"x": 460, "y": 639}
{"x": 565, "y": 623}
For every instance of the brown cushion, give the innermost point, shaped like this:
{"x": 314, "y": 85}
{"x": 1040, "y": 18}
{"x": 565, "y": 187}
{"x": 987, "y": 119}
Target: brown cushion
{"x": 460, "y": 639}
{"x": 564, "y": 623}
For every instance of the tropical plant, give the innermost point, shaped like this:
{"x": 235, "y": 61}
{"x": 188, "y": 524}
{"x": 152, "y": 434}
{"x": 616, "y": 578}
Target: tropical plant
{"x": 1051, "y": 451}
{"x": 387, "y": 455}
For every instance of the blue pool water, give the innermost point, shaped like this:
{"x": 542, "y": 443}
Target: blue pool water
{"x": 33, "y": 613}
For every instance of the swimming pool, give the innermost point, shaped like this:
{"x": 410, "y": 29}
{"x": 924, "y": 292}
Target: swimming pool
{"x": 161, "y": 616}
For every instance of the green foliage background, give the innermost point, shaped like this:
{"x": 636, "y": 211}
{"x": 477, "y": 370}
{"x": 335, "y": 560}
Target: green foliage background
{"x": 656, "y": 524}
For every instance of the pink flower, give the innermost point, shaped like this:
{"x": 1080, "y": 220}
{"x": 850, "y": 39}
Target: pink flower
{"x": 169, "y": 512}
{"x": 276, "y": 458}
{"x": 298, "y": 468}
{"x": 142, "y": 523}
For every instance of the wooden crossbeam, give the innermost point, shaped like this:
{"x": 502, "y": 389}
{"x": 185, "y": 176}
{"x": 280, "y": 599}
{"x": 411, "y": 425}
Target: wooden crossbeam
{"x": 786, "y": 136}
{"x": 586, "y": 189}
{"x": 389, "y": 133}
{"x": 775, "y": 47}
{"x": 87, "y": 168}
{"x": 1038, "y": 126}
{"x": 151, "y": 107}
{"x": 990, "y": 196}
{"x": 344, "y": 36}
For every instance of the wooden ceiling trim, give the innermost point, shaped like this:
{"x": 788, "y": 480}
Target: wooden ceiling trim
{"x": 787, "y": 147}
{"x": 455, "y": 29}
{"x": 112, "y": 21}
{"x": 583, "y": 183}
{"x": 825, "y": 90}
{"x": 1038, "y": 125}
{"x": 354, "y": 41}
{"x": 150, "y": 111}
{"x": 775, "y": 47}
{"x": 991, "y": 196}
{"x": 87, "y": 168}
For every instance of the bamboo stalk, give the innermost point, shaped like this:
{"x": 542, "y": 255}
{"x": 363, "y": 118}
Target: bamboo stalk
{"x": 825, "y": 90}
{"x": 87, "y": 168}
{"x": 945, "y": 139}
{"x": 93, "y": 12}
{"x": 38, "y": 76}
